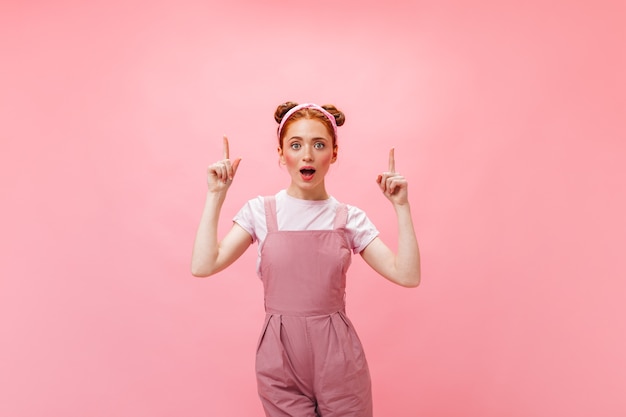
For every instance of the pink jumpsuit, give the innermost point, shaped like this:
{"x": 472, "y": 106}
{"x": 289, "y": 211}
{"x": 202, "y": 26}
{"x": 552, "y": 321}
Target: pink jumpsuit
{"x": 310, "y": 362}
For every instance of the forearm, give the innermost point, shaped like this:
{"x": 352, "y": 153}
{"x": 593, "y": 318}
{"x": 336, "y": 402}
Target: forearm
{"x": 407, "y": 259}
{"x": 206, "y": 245}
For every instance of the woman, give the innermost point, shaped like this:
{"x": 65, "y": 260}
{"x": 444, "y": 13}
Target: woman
{"x": 309, "y": 359}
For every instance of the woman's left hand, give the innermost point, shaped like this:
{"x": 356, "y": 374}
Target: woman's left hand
{"x": 393, "y": 185}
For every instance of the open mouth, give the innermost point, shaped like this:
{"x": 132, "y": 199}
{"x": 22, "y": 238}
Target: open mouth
{"x": 307, "y": 173}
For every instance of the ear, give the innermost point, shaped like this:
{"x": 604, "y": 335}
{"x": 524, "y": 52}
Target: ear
{"x": 335, "y": 149}
{"x": 281, "y": 156}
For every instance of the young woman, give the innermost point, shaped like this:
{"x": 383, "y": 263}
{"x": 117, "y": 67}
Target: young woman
{"x": 309, "y": 361}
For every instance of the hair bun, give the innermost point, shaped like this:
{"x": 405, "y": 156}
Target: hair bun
{"x": 282, "y": 110}
{"x": 340, "y": 118}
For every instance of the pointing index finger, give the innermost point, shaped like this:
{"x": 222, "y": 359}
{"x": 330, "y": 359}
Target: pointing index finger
{"x": 225, "y": 146}
{"x": 392, "y": 161}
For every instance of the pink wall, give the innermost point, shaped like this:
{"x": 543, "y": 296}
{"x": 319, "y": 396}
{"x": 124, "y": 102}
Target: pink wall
{"x": 508, "y": 121}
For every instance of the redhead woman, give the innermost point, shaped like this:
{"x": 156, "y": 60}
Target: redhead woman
{"x": 310, "y": 362}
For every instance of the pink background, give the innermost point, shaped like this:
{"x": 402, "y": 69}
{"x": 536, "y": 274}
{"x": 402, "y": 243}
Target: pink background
{"x": 508, "y": 120}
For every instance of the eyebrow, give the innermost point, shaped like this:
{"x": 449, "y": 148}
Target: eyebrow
{"x": 316, "y": 138}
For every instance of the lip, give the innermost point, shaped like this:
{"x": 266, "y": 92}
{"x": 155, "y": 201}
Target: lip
{"x": 305, "y": 176}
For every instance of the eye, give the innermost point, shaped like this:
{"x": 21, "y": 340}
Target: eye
{"x": 295, "y": 145}
{"x": 319, "y": 145}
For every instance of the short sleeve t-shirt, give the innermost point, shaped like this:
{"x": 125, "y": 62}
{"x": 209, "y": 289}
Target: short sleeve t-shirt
{"x": 296, "y": 214}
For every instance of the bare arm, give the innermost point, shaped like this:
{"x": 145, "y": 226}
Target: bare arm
{"x": 210, "y": 255}
{"x": 403, "y": 267}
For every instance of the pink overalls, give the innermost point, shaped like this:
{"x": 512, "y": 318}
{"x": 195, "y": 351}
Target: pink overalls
{"x": 309, "y": 361}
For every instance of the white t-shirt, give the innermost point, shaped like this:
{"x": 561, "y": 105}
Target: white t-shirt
{"x": 296, "y": 214}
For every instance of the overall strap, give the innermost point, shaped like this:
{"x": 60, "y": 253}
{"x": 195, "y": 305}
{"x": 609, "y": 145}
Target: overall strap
{"x": 270, "y": 213}
{"x": 341, "y": 216}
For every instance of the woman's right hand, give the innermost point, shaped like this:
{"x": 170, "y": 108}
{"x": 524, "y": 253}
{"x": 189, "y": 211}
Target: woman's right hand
{"x": 220, "y": 174}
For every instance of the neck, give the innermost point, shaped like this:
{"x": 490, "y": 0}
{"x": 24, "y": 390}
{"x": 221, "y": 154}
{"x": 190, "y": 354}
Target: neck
{"x": 318, "y": 193}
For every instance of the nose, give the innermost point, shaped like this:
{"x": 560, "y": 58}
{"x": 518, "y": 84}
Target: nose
{"x": 308, "y": 153}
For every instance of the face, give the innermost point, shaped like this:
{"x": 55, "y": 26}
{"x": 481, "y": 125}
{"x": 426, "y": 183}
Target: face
{"x": 307, "y": 153}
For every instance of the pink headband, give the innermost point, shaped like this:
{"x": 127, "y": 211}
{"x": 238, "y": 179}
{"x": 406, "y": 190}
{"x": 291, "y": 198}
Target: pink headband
{"x": 308, "y": 106}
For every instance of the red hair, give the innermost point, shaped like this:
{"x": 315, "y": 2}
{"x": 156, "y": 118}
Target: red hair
{"x": 308, "y": 113}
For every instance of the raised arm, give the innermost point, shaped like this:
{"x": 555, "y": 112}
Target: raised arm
{"x": 403, "y": 267}
{"x": 210, "y": 255}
